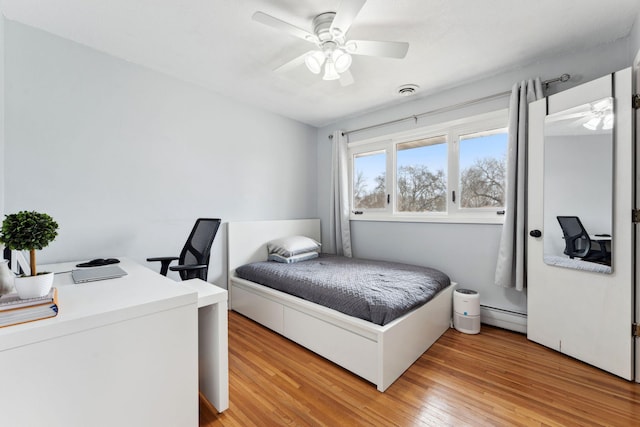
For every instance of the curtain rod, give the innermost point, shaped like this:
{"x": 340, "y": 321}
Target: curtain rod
{"x": 561, "y": 79}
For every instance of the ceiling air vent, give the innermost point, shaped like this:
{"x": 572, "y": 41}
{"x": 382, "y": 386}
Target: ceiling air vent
{"x": 407, "y": 90}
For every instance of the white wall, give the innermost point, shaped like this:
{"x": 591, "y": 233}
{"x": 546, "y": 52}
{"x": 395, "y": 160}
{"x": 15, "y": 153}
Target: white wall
{"x": 125, "y": 158}
{"x": 2, "y": 127}
{"x": 634, "y": 41}
{"x": 466, "y": 252}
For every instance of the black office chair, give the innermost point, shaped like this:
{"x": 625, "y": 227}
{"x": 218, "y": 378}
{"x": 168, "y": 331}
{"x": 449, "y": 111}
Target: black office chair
{"x": 194, "y": 258}
{"x": 577, "y": 242}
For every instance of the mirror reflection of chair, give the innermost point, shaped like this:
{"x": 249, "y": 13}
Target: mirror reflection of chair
{"x": 578, "y": 244}
{"x": 194, "y": 258}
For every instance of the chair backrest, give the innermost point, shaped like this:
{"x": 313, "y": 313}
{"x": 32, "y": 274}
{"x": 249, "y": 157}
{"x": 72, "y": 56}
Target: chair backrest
{"x": 198, "y": 246}
{"x": 576, "y": 239}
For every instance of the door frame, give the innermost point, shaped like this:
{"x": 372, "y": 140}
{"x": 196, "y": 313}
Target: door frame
{"x": 634, "y": 90}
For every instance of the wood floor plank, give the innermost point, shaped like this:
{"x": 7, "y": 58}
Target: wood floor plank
{"x": 495, "y": 378}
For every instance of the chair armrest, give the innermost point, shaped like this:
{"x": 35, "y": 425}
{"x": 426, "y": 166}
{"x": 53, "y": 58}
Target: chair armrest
{"x": 187, "y": 267}
{"x": 163, "y": 258}
{"x": 191, "y": 271}
{"x": 165, "y": 261}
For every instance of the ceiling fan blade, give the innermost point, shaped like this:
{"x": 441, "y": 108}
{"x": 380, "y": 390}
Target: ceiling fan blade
{"x": 346, "y": 78}
{"x": 375, "y": 48}
{"x": 295, "y": 62}
{"x": 347, "y": 12}
{"x": 278, "y": 24}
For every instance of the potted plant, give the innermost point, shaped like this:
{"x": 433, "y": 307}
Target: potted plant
{"x": 30, "y": 231}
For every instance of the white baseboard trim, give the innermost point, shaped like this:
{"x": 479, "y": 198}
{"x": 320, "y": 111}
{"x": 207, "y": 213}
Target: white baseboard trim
{"x": 503, "y": 319}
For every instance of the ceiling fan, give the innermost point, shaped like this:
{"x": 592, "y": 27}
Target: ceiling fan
{"x": 333, "y": 49}
{"x": 595, "y": 116}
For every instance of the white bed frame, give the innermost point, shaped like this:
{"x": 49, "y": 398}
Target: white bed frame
{"x": 379, "y": 354}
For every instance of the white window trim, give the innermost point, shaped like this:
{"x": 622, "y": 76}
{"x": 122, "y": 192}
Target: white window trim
{"x": 453, "y": 129}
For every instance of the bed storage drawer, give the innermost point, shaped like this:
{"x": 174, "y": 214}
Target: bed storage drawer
{"x": 262, "y": 310}
{"x": 349, "y": 350}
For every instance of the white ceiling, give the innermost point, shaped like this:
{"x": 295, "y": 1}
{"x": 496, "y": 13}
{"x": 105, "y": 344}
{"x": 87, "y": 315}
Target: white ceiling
{"x": 216, "y": 44}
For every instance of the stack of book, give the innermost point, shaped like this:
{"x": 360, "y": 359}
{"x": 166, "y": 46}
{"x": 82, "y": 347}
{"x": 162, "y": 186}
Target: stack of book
{"x": 14, "y": 310}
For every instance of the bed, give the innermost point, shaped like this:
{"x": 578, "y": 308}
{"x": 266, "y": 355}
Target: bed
{"x": 377, "y": 353}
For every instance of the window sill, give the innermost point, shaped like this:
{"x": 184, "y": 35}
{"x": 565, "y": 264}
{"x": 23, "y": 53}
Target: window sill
{"x": 459, "y": 219}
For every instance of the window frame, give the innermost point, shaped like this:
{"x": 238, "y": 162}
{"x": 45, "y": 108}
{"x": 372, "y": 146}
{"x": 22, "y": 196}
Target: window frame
{"x": 493, "y": 122}
{"x": 374, "y": 149}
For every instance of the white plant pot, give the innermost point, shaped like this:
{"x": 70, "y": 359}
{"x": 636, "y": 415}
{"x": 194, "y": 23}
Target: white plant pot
{"x": 34, "y": 286}
{"x": 6, "y": 278}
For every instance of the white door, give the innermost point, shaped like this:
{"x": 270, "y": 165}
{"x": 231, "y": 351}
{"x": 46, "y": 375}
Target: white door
{"x": 582, "y": 313}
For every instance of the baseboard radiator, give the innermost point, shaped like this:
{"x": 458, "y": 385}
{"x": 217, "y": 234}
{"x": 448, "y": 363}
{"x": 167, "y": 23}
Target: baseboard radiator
{"x": 505, "y": 319}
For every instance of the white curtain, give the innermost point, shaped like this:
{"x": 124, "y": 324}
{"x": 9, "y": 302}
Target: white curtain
{"x": 510, "y": 267}
{"x": 339, "y": 228}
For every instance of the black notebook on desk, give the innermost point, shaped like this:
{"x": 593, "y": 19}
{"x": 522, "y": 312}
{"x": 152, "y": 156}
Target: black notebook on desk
{"x": 97, "y": 273}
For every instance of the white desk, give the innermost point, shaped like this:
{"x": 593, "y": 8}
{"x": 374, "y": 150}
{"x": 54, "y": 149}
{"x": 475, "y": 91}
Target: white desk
{"x": 213, "y": 342}
{"x": 120, "y": 352}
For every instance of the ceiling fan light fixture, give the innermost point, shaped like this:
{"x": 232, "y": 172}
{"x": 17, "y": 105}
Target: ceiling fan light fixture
{"x": 601, "y": 115}
{"x": 592, "y": 124}
{"x": 330, "y": 72}
{"x": 342, "y": 60}
{"x": 329, "y": 33}
{"x": 607, "y": 122}
{"x": 350, "y": 46}
{"x": 602, "y": 105}
{"x": 314, "y": 61}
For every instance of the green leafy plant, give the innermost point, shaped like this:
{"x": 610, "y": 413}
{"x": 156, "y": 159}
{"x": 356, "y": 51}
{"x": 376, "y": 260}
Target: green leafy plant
{"x": 28, "y": 231}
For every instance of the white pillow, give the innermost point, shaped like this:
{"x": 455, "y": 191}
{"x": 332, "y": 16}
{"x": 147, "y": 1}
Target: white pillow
{"x": 294, "y": 258}
{"x": 292, "y": 245}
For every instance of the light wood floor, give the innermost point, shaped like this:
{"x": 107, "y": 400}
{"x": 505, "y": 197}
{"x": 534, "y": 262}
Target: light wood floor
{"x": 496, "y": 378}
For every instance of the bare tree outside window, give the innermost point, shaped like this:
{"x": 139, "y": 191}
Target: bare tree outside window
{"x": 369, "y": 199}
{"x": 420, "y": 190}
{"x": 369, "y": 189}
{"x": 421, "y": 175}
{"x": 482, "y": 185}
{"x": 359, "y": 187}
{"x": 482, "y": 169}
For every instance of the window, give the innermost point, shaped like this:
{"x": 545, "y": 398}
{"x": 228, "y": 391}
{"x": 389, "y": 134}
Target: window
{"x": 451, "y": 172}
{"x": 482, "y": 169}
{"x": 421, "y": 175}
{"x": 369, "y": 184}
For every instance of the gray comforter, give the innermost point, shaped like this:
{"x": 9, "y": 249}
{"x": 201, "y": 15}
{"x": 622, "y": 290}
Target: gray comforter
{"x": 376, "y": 291}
